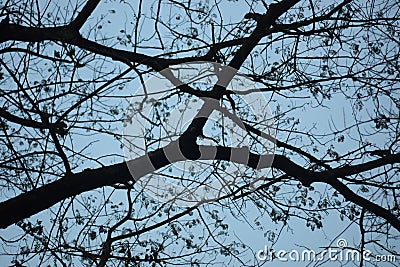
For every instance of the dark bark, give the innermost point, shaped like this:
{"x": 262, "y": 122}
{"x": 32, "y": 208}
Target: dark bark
{"x": 39, "y": 199}
{"x": 36, "y": 200}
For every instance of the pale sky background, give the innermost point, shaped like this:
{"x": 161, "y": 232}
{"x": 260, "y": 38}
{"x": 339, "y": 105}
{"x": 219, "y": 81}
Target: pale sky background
{"x": 298, "y": 236}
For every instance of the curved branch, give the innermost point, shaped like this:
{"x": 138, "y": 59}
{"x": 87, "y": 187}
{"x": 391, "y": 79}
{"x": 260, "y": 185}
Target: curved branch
{"x": 68, "y": 34}
{"x": 32, "y": 202}
{"x": 59, "y": 127}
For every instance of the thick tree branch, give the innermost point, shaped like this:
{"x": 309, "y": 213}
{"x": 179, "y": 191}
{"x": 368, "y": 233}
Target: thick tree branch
{"x": 88, "y": 9}
{"x": 264, "y": 22}
{"x": 74, "y": 184}
{"x": 349, "y": 195}
{"x": 36, "y": 200}
{"x": 59, "y": 128}
{"x": 69, "y": 34}
{"x": 30, "y": 203}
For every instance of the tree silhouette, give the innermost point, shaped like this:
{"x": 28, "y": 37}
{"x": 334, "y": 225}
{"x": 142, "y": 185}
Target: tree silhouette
{"x": 328, "y": 70}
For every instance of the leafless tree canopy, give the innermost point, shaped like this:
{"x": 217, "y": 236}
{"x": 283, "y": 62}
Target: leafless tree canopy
{"x": 330, "y": 71}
